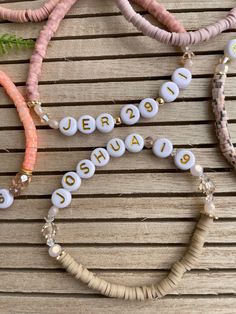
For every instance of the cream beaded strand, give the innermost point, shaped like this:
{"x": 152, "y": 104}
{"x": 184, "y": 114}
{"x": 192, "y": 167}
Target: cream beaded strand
{"x": 71, "y": 181}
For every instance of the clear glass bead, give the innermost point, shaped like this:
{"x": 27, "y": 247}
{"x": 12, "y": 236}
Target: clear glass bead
{"x": 49, "y": 230}
{"x": 15, "y": 191}
{"x": 206, "y": 185}
{"x": 50, "y": 242}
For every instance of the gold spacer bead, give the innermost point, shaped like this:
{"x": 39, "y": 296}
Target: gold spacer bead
{"x": 27, "y": 172}
{"x": 118, "y": 121}
{"x": 160, "y": 101}
{"x": 33, "y": 103}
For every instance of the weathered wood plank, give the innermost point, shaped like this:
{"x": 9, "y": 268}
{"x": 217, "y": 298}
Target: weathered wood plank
{"x": 204, "y": 283}
{"x": 132, "y": 183}
{"x": 117, "y": 257}
{"x": 121, "y": 208}
{"x": 116, "y": 232}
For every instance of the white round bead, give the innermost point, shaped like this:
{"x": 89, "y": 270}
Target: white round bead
{"x": 86, "y": 124}
{"x": 71, "y": 181}
{"x": 105, "y": 123}
{"x": 55, "y": 250}
{"x": 53, "y": 211}
{"x": 100, "y": 157}
{"x": 68, "y": 126}
{"x": 162, "y": 148}
{"x": 209, "y": 207}
{"x": 169, "y": 91}
{"x": 184, "y": 159}
{"x": 116, "y": 147}
{"x": 129, "y": 114}
{"x": 6, "y": 199}
{"x": 85, "y": 169}
{"x": 134, "y": 143}
{"x": 196, "y": 170}
{"x": 230, "y": 49}
{"x": 182, "y": 77}
{"x": 148, "y": 108}
{"x": 61, "y": 198}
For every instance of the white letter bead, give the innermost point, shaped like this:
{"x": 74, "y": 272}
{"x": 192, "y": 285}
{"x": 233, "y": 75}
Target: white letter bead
{"x": 162, "y": 148}
{"x": 71, "y": 181}
{"x": 130, "y": 114}
{"x": 230, "y": 49}
{"x": 105, "y": 123}
{"x": 6, "y": 199}
{"x": 184, "y": 159}
{"x": 116, "y": 147}
{"x": 61, "y": 198}
{"x": 148, "y": 108}
{"x": 68, "y": 126}
{"x": 100, "y": 157}
{"x": 182, "y": 77}
{"x": 55, "y": 250}
{"x": 85, "y": 169}
{"x": 134, "y": 143}
{"x": 169, "y": 91}
{"x": 86, "y": 124}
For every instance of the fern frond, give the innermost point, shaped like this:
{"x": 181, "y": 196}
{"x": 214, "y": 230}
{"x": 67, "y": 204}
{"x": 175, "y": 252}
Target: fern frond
{"x": 8, "y": 42}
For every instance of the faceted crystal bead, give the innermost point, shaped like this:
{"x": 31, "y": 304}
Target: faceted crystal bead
{"x": 49, "y": 230}
{"x": 21, "y": 180}
{"x": 206, "y": 185}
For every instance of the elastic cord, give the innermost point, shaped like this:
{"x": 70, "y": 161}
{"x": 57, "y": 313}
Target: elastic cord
{"x": 26, "y": 119}
{"x": 28, "y": 15}
{"x": 176, "y": 39}
{"x": 162, "y": 15}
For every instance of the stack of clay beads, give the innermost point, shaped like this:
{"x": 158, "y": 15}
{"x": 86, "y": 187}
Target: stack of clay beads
{"x": 218, "y": 104}
{"x": 129, "y": 114}
{"x": 23, "y": 178}
{"x": 61, "y": 198}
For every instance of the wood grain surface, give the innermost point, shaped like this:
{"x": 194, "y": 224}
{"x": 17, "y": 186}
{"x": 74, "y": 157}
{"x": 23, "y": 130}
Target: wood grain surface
{"x": 135, "y": 218}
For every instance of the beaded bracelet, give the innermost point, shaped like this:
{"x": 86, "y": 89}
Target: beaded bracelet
{"x": 218, "y": 103}
{"x": 105, "y": 123}
{"x": 23, "y": 178}
{"x": 28, "y": 15}
{"x": 71, "y": 182}
{"x": 176, "y": 39}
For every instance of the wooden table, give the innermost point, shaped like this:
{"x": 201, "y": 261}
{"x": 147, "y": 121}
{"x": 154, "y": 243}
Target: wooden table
{"x": 135, "y": 217}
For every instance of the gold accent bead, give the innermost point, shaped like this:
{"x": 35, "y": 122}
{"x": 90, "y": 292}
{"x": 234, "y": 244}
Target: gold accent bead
{"x": 33, "y": 103}
{"x": 160, "y": 101}
{"x": 25, "y": 171}
{"x": 118, "y": 121}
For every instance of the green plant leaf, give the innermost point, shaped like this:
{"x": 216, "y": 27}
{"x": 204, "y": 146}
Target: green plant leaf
{"x": 8, "y": 42}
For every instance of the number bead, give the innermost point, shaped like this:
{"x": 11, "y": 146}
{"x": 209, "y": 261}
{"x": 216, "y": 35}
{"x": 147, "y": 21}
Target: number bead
{"x": 169, "y": 91}
{"x": 129, "y": 114}
{"x": 162, "y": 148}
{"x": 68, "y": 126}
{"x": 134, "y": 143}
{"x": 61, "y": 198}
{"x": 86, "y": 124}
{"x": 100, "y": 157}
{"x": 71, "y": 181}
{"x": 184, "y": 159}
{"x": 148, "y": 108}
{"x": 116, "y": 147}
{"x": 182, "y": 77}
{"x": 85, "y": 169}
{"x": 230, "y": 49}
{"x": 105, "y": 123}
{"x": 6, "y": 199}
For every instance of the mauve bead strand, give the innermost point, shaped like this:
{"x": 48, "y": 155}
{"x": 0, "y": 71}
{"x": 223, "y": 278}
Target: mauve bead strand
{"x": 41, "y": 44}
{"x": 177, "y": 39}
{"x": 161, "y": 14}
{"x": 28, "y": 15}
